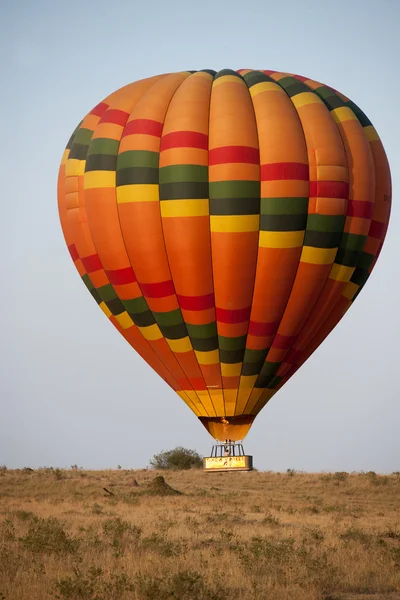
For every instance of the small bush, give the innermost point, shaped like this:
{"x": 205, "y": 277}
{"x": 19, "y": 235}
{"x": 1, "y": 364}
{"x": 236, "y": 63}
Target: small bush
{"x": 178, "y": 458}
{"x": 48, "y": 536}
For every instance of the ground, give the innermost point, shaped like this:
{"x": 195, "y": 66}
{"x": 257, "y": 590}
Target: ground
{"x": 236, "y": 536}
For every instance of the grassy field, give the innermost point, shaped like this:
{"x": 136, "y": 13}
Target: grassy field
{"x": 236, "y": 536}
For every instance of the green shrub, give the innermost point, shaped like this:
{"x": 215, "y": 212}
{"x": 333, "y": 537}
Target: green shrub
{"x": 178, "y": 458}
{"x": 49, "y": 536}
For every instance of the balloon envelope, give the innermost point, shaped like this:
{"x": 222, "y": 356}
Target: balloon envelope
{"x": 224, "y": 223}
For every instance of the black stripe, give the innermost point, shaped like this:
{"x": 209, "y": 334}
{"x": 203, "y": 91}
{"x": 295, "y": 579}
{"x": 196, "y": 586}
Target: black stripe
{"x": 234, "y": 206}
{"x": 174, "y": 332}
{"x": 362, "y": 117}
{"x": 101, "y": 162}
{"x": 79, "y": 151}
{"x": 322, "y": 239}
{"x": 210, "y": 71}
{"x": 116, "y": 306}
{"x": 224, "y": 72}
{"x": 95, "y": 295}
{"x": 180, "y": 190}
{"x": 231, "y": 356}
{"x": 283, "y": 222}
{"x": 205, "y": 344}
{"x": 263, "y": 381}
{"x": 293, "y": 87}
{"x": 348, "y": 258}
{"x": 360, "y": 276}
{"x": 131, "y": 175}
{"x": 255, "y": 77}
{"x": 252, "y": 368}
{"x": 332, "y": 101}
{"x": 142, "y": 319}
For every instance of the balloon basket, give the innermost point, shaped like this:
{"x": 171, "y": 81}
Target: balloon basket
{"x": 227, "y": 456}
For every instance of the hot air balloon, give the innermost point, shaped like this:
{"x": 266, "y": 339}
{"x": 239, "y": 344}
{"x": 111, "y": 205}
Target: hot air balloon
{"x": 224, "y": 223}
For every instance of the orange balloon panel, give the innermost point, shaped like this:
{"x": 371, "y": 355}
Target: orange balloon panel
{"x": 224, "y": 223}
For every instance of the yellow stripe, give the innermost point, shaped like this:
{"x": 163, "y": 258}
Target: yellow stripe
{"x": 318, "y": 256}
{"x": 65, "y": 156}
{"x": 248, "y": 381}
{"x": 371, "y": 133}
{"x": 124, "y": 320}
{"x": 264, "y": 86}
{"x": 74, "y": 167}
{"x": 182, "y": 345}
{"x": 231, "y": 370}
{"x": 196, "y": 401}
{"x": 207, "y": 358}
{"x": 105, "y": 309}
{"x": 190, "y": 404}
{"x": 217, "y": 396}
{"x": 206, "y": 401}
{"x": 184, "y": 208}
{"x": 305, "y": 98}
{"x": 99, "y": 179}
{"x": 234, "y": 223}
{"x": 350, "y": 290}
{"x": 344, "y": 113}
{"x": 141, "y": 192}
{"x": 228, "y": 79}
{"x": 152, "y": 332}
{"x": 341, "y": 273}
{"x": 281, "y": 239}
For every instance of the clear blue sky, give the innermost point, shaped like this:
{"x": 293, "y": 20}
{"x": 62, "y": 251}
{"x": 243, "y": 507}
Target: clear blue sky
{"x": 69, "y": 383}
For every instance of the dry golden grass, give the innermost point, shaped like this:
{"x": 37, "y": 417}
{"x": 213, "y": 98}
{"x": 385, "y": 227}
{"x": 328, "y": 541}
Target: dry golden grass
{"x": 233, "y": 536}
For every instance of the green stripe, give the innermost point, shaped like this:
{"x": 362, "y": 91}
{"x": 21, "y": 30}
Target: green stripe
{"x": 351, "y": 241}
{"x": 365, "y": 261}
{"x": 254, "y": 356}
{"x": 83, "y": 136}
{"x": 202, "y": 331}
{"x": 183, "y": 173}
{"x": 235, "y": 189}
{"x": 86, "y": 280}
{"x": 284, "y": 206}
{"x": 103, "y": 146}
{"x": 107, "y": 292}
{"x": 233, "y": 343}
{"x": 329, "y": 98}
{"x": 293, "y": 86}
{"x": 137, "y": 305}
{"x": 326, "y": 222}
{"x": 173, "y": 317}
{"x": 138, "y": 158}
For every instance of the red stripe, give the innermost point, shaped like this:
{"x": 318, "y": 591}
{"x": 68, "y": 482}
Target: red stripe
{"x": 234, "y": 154}
{"x": 197, "y": 383}
{"x": 158, "y": 290}
{"x": 115, "y": 116}
{"x": 184, "y": 139}
{"x": 100, "y": 109}
{"x": 377, "y": 230}
{"x": 238, "y": 315}
{"x": 363, "y": 210}
{"x": 283, "y": 342}
{"x": 267, "y": 72}
{"x": 329, "y": 189}
{"x": 121, "y": 276}
{"x": 196, "y": 302}
{"x": 261, "y": 329}
{"x": 92, "y": 263}
{"x": 73, "y": 252}
{"x": 144, "y": 126}
{"x": 301, "y": 77}
{"x": 284, "y": 170}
